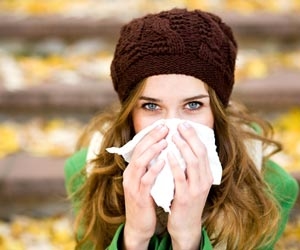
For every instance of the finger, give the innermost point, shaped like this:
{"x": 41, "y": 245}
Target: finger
{"x": 178, "y": 175}
{"x": 146, "y": 149}
{"x": 198, "y": 168}
{"x": 151, "y": 153}
{"x": 155, "y": 135}
{"x": 188, "y": 133}
{"x": 148, "y": 179}
{"x": 138, "y": 166}
{"x": 198, "y": 175}
{"x": 193, "y": 163}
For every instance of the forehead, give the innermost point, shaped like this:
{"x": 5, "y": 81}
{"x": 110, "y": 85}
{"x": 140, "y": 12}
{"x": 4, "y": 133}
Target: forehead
{"x": 174, "y": 83}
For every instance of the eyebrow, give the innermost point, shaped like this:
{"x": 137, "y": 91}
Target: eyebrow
{"x": 196, "y": 97}
{"x": 151, "y": 99}
{"x": 145, "y": 98}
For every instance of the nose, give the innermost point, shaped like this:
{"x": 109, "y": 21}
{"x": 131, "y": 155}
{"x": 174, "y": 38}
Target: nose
{"x": 170, "y": 114}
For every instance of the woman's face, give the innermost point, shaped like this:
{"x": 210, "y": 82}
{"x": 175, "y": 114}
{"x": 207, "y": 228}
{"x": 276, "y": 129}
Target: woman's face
{"x": 172, "y": 96}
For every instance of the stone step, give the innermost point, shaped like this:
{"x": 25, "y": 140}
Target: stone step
{"x": 34, "y": 186}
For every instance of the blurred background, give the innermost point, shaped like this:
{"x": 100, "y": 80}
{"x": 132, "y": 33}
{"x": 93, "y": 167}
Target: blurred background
{"x": 54, "y": 76}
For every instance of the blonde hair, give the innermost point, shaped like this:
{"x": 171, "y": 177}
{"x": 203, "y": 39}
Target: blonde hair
{"x": 243, "y": 202}
{"x": 237, "y": 208}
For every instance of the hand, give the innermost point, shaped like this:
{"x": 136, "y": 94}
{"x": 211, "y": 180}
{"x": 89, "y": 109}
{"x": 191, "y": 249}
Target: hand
{"x": 191, "y": 189}
{"x": 137, "y": 182}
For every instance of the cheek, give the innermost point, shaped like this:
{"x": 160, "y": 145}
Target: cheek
{"x": 210, "y": 120}
{"x": 207, "y": 119}
{"x": 211, "y": 124}
{"x": 141, "y": 121}
{"x": 138, "y": 121}
{"x": 138, "y": 125}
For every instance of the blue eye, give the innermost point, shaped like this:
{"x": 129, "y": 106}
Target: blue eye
{"x": 150, "y": 106}
{"x": 193, "y": 105}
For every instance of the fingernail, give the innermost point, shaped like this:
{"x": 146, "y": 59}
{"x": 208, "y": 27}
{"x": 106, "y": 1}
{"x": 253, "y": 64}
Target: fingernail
{"x": 161, "y": 127}
{"x": 163, "y": 142}
{"x": 185, "y": 125}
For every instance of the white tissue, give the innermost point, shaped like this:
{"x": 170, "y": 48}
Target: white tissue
{"x": 163, "y": 188}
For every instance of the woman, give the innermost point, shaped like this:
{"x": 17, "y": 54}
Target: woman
{"x": 178, "y": 64}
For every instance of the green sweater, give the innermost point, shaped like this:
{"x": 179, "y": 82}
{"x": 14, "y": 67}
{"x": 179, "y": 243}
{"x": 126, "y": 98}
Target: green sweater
{"x": 284, "y": 185}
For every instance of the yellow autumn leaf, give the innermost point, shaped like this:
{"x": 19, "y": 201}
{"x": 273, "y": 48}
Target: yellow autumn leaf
{"x": 287, "y": 131}
{"x": 9, "y": 140}
{"x": 257, "y": 68}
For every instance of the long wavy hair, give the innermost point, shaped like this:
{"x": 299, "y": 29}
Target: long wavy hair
{"x": 235, "y": 210}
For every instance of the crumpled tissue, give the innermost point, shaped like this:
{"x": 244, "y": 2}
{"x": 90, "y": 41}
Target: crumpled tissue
{"x": 163, "y": 188}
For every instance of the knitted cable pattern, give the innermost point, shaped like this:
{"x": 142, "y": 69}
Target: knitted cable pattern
{"x": 177, "y": 41}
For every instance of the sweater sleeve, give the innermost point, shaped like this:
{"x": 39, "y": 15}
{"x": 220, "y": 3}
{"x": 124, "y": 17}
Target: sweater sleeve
{"x": 285, "y": 189}
{"x": 73, "y": 177}
{"x": 156, "y": 243}
{"x": 118, "y": 238}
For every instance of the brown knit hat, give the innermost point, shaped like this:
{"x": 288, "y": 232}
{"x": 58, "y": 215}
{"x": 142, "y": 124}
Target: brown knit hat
{"x": 178, "y": 41}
